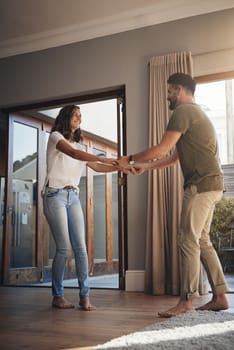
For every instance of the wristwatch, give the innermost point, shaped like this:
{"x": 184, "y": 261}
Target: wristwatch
{"x": 131, "y": 161}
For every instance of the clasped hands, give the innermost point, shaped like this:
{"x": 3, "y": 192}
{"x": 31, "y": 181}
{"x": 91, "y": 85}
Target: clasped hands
{"x": 123, "y": 164}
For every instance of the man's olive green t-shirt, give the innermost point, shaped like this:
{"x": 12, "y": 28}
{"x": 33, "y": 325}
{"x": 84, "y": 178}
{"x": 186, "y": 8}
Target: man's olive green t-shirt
{"x": 197, "y": 148}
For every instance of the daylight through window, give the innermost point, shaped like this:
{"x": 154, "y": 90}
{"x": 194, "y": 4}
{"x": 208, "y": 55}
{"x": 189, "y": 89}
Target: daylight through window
{"x": 217, "y": 100}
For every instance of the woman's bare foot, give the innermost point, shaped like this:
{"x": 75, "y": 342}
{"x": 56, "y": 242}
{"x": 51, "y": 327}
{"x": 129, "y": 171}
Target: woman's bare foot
{"x": 182, "y": 307}
{"x": 217, "y": 303}
{"x": 86, "y": 305}
{"x": 62, "y": 303}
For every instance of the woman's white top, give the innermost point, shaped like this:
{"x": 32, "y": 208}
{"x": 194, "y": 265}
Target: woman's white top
{"x": 62, "y": 170}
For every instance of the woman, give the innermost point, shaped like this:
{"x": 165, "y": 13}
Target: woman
{"x": 65, "y": 163}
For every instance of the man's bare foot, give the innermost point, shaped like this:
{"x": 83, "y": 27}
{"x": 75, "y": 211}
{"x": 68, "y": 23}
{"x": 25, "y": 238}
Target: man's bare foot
{"x": 182, "y": 307}
{"x": 85, "y": 304}
{"x": 217, "y": 303}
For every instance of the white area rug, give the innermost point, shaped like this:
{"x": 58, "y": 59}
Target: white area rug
{"x": 206, "y": 330}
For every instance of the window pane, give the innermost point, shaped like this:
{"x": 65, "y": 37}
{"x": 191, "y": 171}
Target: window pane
{"x": 217, "y": 100}
{"x": 115, "y": 216}
{"x": 24, "y": 189}
{"x": 99, "y": 200}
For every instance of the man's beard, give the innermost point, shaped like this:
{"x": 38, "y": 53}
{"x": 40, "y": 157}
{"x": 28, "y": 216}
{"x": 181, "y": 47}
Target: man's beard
{"x": 173, "y": 103}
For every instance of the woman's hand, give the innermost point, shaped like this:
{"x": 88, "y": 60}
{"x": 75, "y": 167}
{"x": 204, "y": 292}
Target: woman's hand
{"x": 106, "y": 160}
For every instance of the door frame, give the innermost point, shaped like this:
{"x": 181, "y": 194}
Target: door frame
{"x": 104, "y": 94}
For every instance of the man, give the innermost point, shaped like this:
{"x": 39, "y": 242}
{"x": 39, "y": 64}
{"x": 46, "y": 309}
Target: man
{"x": 192, "y": 135}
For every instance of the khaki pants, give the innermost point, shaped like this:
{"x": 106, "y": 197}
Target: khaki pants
{"x": 195, "y": 245}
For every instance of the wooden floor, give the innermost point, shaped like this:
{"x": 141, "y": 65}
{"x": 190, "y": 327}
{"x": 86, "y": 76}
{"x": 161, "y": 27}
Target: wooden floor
{"x": 27, "y": 320}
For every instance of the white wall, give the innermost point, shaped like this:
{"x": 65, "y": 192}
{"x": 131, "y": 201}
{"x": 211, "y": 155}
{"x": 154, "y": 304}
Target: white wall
{"x": 111, "y": 61}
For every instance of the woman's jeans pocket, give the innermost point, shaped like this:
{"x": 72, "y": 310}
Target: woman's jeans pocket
{"x": 51, "y": 192}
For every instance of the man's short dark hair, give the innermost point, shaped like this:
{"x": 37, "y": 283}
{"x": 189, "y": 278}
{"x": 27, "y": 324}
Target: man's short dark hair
{"x": 184, "y": 80}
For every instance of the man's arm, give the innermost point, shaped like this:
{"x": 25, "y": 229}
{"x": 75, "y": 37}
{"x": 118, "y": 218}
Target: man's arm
{"x": 167, "y": 143}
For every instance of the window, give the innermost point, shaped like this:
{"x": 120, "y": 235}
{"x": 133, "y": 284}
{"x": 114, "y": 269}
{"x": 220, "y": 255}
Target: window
{"x": 217, "y": 99}
{"x": 215, "y": 95}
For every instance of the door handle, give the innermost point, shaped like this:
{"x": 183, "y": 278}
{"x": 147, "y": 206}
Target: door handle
{"x": 121, "y": 181}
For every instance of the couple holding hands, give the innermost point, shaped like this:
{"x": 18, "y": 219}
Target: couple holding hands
{"x": 190, "y": 139}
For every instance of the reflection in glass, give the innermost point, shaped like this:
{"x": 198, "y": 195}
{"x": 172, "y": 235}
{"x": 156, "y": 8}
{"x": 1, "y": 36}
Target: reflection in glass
{"x": 24, "y": 189}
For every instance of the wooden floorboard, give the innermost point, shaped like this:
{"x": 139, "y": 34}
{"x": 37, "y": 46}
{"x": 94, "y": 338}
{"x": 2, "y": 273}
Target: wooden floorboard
{"x": 27, "y": 320}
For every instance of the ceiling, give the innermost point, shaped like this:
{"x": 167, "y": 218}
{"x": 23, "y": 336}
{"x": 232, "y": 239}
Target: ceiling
{"x": 32, "y": 25}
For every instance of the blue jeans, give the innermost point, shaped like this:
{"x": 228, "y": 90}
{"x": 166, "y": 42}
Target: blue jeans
{"x": 64, "y": 214}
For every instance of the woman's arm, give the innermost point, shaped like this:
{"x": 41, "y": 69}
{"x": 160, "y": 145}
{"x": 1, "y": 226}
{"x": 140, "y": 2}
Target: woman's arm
{"x": 106, "y": 168}
{"x": 64, "y": 147}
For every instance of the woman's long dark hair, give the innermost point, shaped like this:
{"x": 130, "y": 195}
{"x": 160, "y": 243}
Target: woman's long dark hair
{"x": 62, "y": 123}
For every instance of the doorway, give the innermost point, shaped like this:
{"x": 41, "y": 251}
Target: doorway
{"x": 29, "y": 247}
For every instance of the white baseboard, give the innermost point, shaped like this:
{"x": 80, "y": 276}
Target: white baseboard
{"x": 135, "y": 280}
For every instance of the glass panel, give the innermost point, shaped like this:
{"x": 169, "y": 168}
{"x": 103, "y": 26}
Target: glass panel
{"x": 82, "y": 187}
{"x": 99, "y": 119}
{"x": 49, "y": 245}
{"x": 217, "y": 100}
{"x": 82, "y": 194}
{"x": 24, "y": 189}
{"x": 115, "y": 216}
{"x": 2, "y": 202}
{"x": 3, "y": 161}
{"x": 99, "y": 200}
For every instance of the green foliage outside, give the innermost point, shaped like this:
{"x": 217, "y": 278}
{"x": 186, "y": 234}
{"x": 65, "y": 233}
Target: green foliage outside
{"x": 220, "y": 232}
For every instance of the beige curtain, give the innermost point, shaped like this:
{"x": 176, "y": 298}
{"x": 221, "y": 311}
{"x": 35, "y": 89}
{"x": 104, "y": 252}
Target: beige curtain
{"x": 165, "y": 186}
